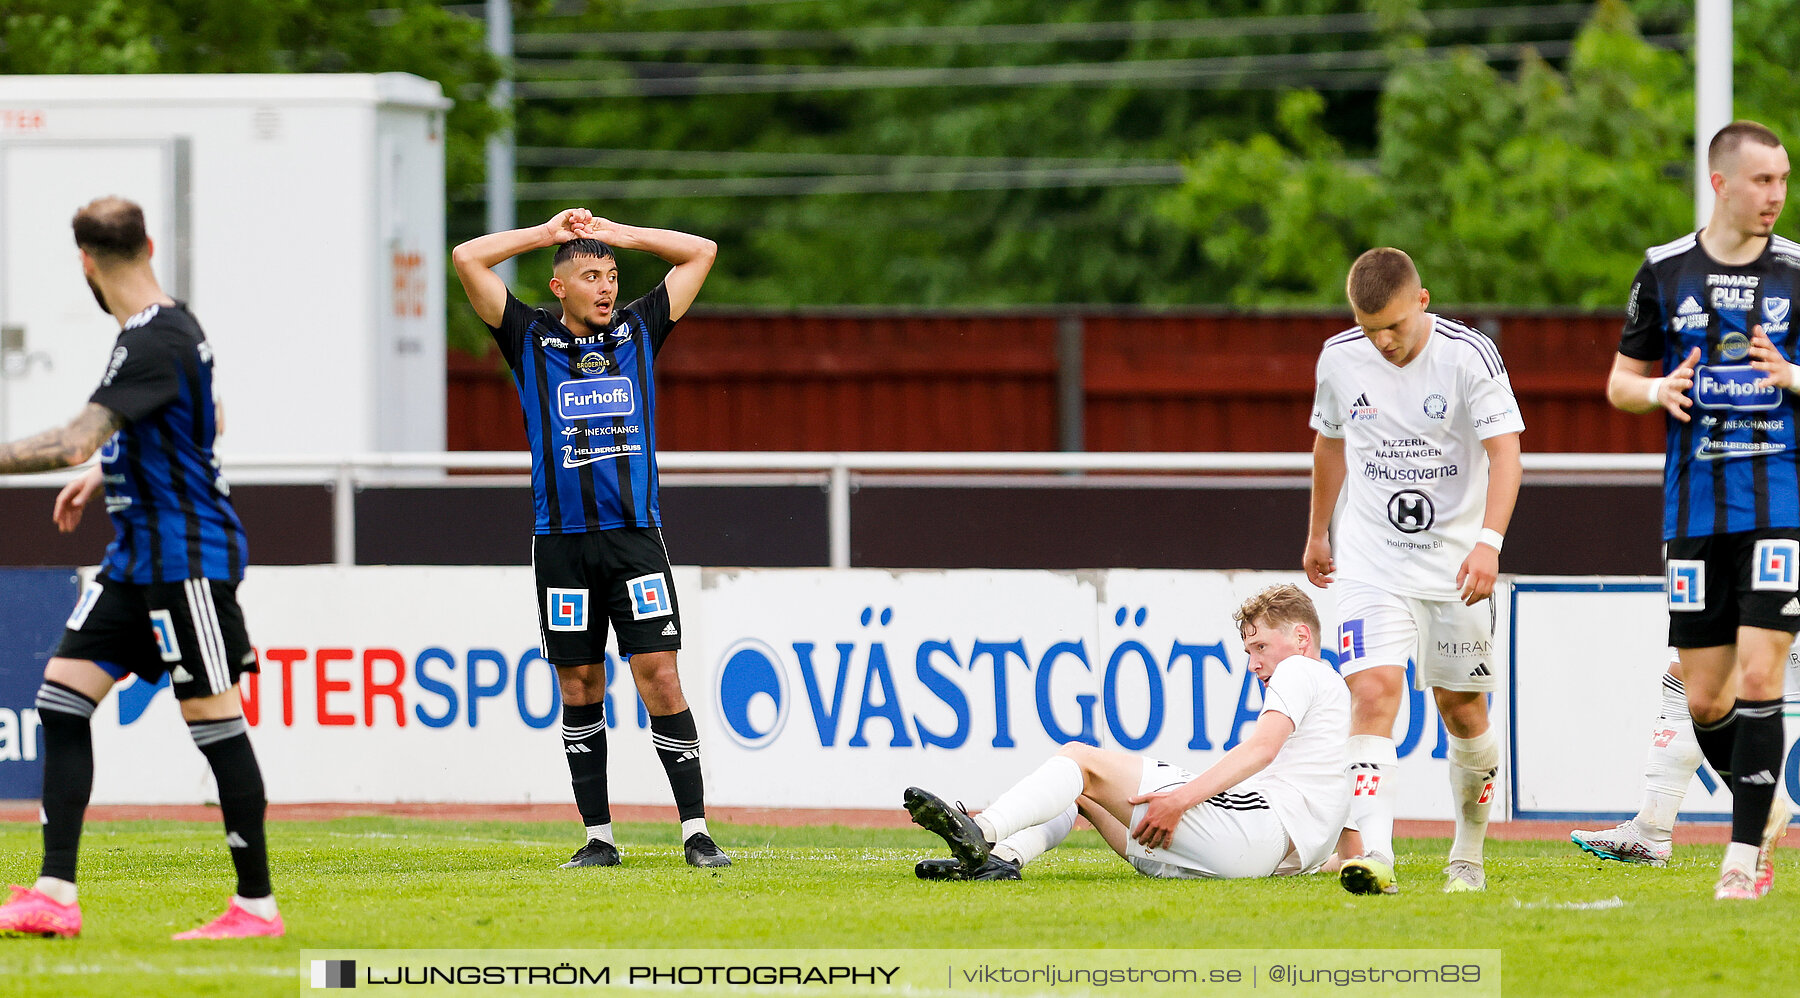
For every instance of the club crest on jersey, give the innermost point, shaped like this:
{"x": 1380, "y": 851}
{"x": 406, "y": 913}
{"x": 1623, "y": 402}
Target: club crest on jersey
{"x": 591, "y": 363}
{"x": 162, "y": 624}
{"x": 1775, "y": 315}
{"x": 1350, "y": 640}
{"x": 566, "y": 609}
{"x": 596, "y": 398}
{"x": 1687, "y": 585}
{"x": 1776, "y": 567}
{"x": 649, "y": 597}
{"x": 109, "y": 451}
{"x": 1436, "y": 406}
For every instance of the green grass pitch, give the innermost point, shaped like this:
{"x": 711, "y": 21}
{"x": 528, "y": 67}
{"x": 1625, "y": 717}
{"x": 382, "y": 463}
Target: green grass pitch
{"x": 1567, "y": 924}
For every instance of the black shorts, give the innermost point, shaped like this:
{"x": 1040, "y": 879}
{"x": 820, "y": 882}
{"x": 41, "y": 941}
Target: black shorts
{"x": 625, "y": 573}
{"x": 192, "y": 630}
{"x": 1717, "y": 584}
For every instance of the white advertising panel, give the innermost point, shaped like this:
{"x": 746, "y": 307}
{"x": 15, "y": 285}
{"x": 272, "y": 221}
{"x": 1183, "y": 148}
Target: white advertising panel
{"x": 1588, "y": 657}
{"x": 811, "y": 688}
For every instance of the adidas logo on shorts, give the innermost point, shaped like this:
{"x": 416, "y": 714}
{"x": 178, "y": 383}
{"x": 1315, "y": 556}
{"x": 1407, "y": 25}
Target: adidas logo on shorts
{"x": 1791, "y": 608}
{"x": 669, "y": 630}
{"x": 1480, "y": 670}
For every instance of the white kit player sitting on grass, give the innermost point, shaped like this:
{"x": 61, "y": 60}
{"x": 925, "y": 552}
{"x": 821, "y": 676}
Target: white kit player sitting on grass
{"x": 1648, "y": 837}
{"x": 1416, "y": 412}
{"x": 1275, "y": 804}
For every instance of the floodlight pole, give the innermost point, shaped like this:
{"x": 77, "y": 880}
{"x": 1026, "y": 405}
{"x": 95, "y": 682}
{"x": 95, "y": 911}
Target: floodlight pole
{"x": 502, "y": 210}
{"x": 1712, "y": 93}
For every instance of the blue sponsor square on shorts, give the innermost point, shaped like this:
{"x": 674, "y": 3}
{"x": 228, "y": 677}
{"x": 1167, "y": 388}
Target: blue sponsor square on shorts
{"x": 1775, "y": 566}
{"x": 1350, "y": 640}
{"x": 1687, "y": 585}
{"x": 566, "y": 609}
{"x": 650, "y": 596}
{"x": 163, "y": 624}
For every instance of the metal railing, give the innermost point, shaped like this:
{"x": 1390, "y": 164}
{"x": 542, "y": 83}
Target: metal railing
{"x": 347, "y": 472}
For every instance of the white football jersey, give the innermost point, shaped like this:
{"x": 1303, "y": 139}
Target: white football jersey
{"x": 1308, "y": 783}
{"x": 1417, "y": 475}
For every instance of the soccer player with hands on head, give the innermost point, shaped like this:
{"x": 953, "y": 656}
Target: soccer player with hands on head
{"x": 587, "y": 392}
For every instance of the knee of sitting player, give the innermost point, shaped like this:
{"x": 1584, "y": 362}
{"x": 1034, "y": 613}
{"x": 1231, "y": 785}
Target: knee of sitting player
{"x": 1081, "y": 752}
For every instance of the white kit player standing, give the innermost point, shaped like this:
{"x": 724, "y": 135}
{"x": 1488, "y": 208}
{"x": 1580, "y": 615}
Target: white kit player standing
{"x": 1416, "y": 413}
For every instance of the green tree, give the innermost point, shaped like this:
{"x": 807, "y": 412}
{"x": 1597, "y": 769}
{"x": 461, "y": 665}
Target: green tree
{"x": 269, "y": 36}
{"x": 1541, "y": 188}
{"x": 1099, "y": 243}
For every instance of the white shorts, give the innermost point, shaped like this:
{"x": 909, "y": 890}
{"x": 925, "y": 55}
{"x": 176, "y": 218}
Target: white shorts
{"x": 1452, "y": 644}
{"x": 1228, "y": 836}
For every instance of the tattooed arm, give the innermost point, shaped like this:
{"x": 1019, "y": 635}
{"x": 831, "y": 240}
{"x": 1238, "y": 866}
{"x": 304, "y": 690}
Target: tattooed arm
{"x": 61, "y": 448}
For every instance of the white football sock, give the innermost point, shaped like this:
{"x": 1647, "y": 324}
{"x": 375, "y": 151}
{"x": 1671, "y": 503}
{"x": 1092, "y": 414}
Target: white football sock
{"x": 603, "y": 833}
{"x": 1027, "y": 844}
{"x": 263, "y": 907}
{"x": 60, "y": 891}
{"x": 692, "y": 827}
{"x": 1669, "y": 765}
{"x": 1474, "y": 766}
{"x": 1374, "y": 765}
{"x": 1741, "y": 856}
{"x": 1039, "y": 797}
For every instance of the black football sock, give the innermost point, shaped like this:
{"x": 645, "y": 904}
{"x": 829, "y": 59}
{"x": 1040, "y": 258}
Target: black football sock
{"x": 65, "y": 716}
{"x": 226, "y": 745}
{"x": 584, "y": 744}
{"x": 1716, "y": 742}
{"x": 1755, "y": 767}
{"x": 678, "y": 746}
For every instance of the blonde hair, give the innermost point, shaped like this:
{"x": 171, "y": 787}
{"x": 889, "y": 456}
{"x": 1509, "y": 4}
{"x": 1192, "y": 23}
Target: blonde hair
{"x": 1278, "y": 606}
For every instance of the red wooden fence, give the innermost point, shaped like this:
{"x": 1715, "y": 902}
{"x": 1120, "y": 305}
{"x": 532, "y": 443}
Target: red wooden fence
{"x": 1189, "y": 380}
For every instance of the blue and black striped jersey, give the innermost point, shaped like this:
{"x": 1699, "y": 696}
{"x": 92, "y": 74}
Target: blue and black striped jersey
{"x": 590, "y": 413}
{"x": 169, "y": 504}
{"x": 1733, "y": 466}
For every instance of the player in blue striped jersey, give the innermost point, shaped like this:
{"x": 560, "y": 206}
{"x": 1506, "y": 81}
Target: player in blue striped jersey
{"x": 587, "y": 388}
{"x": 1711, "y": 309}
{"x": 165, "y": 599}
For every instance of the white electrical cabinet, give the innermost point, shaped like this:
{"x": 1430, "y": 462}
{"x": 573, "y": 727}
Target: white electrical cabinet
{"x": 301, "y": 217}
